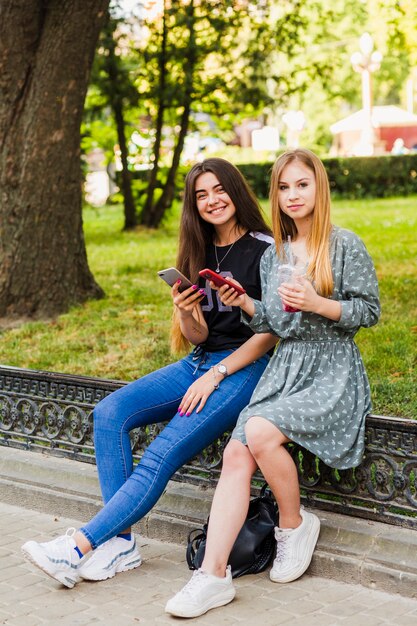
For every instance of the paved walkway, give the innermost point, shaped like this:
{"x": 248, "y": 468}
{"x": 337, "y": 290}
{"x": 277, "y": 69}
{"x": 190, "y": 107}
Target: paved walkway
{"x": 29, "y": 598}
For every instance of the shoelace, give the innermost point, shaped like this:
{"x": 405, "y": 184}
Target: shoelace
{"x": 194, "y": 583}
{"x": 62, "y": 541}
{"x": 281, "y": 547}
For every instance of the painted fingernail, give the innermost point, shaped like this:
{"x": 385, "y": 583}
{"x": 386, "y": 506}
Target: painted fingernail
{"x": 181, "y": 413}
{"x": 188, "y": 414}
{"x": 195, "y": 287}
{"x": 202, "y": 291}
{"x": 179, "y": 281}
{"x": 179, "y": 410}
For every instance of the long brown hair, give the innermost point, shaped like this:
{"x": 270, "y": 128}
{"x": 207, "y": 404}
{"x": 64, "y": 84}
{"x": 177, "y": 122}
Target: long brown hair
{"x": 318, "y": 241}
{"x": 195, "y": 234}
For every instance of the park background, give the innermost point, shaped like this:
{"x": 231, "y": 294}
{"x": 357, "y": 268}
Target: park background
{"x": 103, "y": 115}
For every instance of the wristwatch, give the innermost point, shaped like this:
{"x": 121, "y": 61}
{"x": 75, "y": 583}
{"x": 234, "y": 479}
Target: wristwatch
{"x": 222, "y": 369}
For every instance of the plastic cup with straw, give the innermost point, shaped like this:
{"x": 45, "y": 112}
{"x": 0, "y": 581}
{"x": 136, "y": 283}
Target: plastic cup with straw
{"x": 286, "y": 274}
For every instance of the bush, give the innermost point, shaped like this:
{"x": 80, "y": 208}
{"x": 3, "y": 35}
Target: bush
{"x": 353, "y": 177}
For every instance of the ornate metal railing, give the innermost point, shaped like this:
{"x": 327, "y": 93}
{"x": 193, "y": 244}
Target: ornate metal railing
{"x": 47, "y": 411}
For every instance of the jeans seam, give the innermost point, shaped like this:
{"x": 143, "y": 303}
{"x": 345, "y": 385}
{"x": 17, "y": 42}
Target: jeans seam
{"x": 123, "y": 425}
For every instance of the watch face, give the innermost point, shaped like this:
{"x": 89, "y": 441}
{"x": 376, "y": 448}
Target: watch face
{"x": 222, "y": 369}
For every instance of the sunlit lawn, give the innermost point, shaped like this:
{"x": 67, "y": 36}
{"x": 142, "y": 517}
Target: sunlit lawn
{"x": 126, "y": 334}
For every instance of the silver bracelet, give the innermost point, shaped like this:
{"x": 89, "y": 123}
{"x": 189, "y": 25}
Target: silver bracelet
{"x": 215, "y": 384}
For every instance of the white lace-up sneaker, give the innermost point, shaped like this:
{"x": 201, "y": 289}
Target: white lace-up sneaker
{"x": 295, "y": 549}
{"x": 113, "y": 556}
{"x": 202, "y": 593}
{"x": 57, "y": 558}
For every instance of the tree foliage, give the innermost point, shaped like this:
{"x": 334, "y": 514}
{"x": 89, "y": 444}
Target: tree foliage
{"x": 210, "y": 58}
{"x": 228, "y": 61}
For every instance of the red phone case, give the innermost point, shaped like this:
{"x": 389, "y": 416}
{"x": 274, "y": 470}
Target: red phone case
{"x": 219, "y": 281}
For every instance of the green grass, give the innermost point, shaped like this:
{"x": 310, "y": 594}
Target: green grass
{"x": 126, "y": 334}
{"x": 389, "y": 349}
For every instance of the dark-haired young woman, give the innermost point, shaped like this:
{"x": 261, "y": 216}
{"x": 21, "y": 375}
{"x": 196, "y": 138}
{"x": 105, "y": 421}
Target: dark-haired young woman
{"x": 201, "y": 395}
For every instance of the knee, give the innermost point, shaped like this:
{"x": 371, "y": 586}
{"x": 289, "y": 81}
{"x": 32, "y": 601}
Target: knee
{"x": 104, "y": 415}
{"x": 237, "y": 458}
{"x": 262, "y": 437}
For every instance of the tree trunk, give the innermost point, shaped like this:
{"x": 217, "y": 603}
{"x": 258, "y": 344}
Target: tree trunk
{"x": 146, "y": 216}
{"x": 116, "y": 101}
{"x": 129, "y": 203}
{"x": 168, "y": 193}
{"x": 46, "y": 53}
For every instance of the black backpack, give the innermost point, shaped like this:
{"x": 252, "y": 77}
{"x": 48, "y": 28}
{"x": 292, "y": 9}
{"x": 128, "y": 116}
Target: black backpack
{"x": 254, "y": 547}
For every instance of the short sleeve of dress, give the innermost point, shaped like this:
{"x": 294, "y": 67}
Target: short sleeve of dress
{"x": 360, "y": 294}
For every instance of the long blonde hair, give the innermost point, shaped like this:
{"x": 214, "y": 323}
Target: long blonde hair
{"x": 195, "y": 234}
{"x": 318, "y": 241}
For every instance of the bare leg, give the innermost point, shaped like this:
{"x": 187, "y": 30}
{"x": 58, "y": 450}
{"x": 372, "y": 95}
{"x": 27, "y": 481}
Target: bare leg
{"x": 82, "y": 542}
{"x": 266, "y": 443}
{"x": 230, "y": 506}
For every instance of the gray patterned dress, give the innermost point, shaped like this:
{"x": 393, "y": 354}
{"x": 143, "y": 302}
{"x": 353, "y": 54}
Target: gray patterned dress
{"x": 315, "y": 388}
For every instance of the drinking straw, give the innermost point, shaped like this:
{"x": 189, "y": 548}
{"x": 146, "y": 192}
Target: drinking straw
{"x": 290, "y": 255}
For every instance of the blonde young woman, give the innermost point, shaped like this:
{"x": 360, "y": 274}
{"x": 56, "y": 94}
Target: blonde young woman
{"x": 314, "y": 391}
{"x": 200, "y": 396}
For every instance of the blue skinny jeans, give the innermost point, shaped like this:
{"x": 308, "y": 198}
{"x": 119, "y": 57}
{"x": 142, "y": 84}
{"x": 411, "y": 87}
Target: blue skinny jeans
{"x": 129, "y": 493}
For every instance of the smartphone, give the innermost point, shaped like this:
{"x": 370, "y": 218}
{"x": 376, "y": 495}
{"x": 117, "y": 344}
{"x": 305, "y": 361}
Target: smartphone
{"x": 171, "y": 275}
{"x": 219, "y": 281}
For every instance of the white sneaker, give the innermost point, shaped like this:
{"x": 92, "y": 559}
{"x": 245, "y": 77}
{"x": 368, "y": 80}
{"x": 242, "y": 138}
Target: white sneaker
{"x": 57, "y": 558}
{"x": 295, "y": 549}
{"x": 113, "y": 556}
{"x": 202, "y": 593}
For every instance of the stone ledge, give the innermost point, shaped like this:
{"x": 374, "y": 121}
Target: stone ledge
{"x": 349, "y": 549}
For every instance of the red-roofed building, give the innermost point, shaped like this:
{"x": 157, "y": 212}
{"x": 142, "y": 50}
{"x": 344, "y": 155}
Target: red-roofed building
{"x": 389, "y": 123}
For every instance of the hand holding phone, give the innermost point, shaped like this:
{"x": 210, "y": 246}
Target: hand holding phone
{"x": 171, "y": 275}
{"x": 219, "y": 280}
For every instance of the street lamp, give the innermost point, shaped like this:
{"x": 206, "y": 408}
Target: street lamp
{"x": 366, "y": 61}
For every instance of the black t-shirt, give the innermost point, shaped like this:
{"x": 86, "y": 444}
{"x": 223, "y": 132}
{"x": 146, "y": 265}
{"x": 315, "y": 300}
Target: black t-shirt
{"x": 241, "y": 263}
